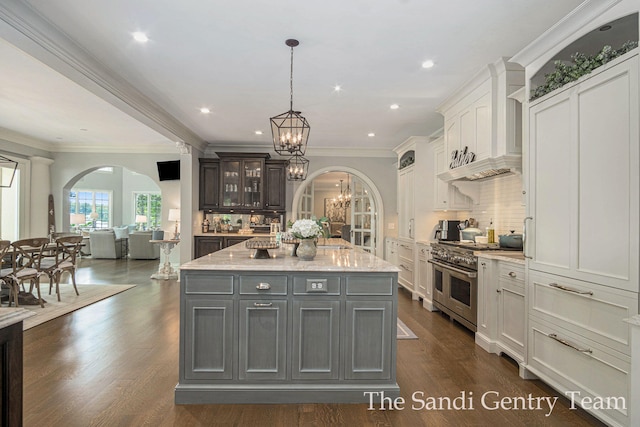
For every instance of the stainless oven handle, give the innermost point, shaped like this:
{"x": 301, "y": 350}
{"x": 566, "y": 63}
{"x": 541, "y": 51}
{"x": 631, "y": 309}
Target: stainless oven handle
{"x": 469, "y": 274}
{"x": 524, "y": 237}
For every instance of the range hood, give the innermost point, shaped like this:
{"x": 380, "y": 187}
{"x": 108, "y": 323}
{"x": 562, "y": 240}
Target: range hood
{"x": 482, "y": 169}
{"x": 483, "y": 124}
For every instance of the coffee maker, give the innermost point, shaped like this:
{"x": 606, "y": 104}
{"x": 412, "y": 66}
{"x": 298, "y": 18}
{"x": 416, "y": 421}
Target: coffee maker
{"x": 448, "y": 230}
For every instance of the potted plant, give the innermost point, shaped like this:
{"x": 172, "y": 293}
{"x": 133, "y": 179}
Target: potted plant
{"x": 306, "y": 230}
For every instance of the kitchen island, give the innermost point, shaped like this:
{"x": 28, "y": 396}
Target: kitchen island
{"x": 284, "y": 330}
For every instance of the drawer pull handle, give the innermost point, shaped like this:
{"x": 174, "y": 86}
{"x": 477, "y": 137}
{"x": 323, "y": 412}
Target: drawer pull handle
{"x": 405, "y": 246}
{"x": 512, "y": 274}
{"x": 262, "y": 304}
{"x": 263, "y": 286}
{"x": 404, "y": 267}
{"x": 568, "y": 344}
{"x": 568, "y": 289}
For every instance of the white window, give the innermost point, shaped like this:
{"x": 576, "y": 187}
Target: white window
{"x": 94, "y": 204}
{"x": 150, "y": 205}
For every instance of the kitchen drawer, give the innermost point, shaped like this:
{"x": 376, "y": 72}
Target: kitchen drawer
{"x": 369, "y": 285}
{"x": 594, "y": 311}
{"x": 300, "y": 285}
{"x": 595, "y": 371}
{"x": 406, "y": 274}
{"x": 405, "y": 250}
{"x": 423, "y": 250}
{"x": 207, "y": 284}
{"x": 511, "y": 271}
{"x": 263, "y": 285}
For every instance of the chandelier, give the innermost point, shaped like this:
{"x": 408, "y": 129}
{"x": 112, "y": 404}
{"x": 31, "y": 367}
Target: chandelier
{"x": 297, "y": 168}
{"x": 343, "y": 200}
{"x": 290, "y": 130}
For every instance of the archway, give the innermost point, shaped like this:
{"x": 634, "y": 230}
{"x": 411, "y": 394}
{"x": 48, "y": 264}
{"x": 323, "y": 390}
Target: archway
{"x": 374, "y": 194}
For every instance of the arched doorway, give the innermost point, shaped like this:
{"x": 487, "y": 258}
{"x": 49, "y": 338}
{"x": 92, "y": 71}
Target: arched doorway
{"x": 111, "y": 196}
{"x": 365, "y": 215}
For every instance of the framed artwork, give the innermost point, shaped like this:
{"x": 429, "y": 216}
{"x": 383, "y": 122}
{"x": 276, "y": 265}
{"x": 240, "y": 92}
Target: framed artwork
{"x": 335, "y": 214}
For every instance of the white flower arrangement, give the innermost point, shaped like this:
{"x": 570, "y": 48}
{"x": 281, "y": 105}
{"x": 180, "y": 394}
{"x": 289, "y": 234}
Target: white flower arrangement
{"x": 306, "y": 229}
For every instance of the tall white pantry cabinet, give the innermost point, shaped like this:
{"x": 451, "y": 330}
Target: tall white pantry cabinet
{"x": 582, "y": 235}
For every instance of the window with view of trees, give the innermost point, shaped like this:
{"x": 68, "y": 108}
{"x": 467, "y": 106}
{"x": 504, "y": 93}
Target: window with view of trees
{"x": 88, "y": 202}
{"x": 150, "y": 205}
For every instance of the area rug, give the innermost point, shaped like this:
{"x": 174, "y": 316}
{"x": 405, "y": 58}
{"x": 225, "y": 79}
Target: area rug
{"x": 69, "y": 301}
{"x": 404, "y": 333}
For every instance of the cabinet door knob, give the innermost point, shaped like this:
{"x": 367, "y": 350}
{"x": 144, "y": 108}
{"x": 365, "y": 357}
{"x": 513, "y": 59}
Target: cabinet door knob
{"x": 499, "y": 291}
{"x": 263, "y": 286}
{"x": 512, "y": 274}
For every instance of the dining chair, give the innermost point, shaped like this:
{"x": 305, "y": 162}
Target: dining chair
{"x": 26, "y": 265}
{"x": 67, "y": 256}
{"x": 5, "y": 273}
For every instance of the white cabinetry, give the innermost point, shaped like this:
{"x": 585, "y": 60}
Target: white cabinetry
{"x": 406, "y": 276}
{"x": 583, "y": 178}
{"x": 487, "y": 305}
{"x": 424, "y": 287}
{"x": 482, "y": 119}
{"x": 447, "y": 197}
{"x": 583, "y": 277}
{"x": 512, "y": 311}
{"x": 391, "y": 250}
{"x": 406, "y": 219}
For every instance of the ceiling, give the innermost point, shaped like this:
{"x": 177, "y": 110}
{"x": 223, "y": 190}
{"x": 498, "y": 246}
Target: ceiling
{"x": 73, "y": 79}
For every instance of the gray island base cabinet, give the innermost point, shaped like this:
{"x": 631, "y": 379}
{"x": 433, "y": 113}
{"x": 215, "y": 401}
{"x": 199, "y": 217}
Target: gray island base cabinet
{"x": 283, "y": 330}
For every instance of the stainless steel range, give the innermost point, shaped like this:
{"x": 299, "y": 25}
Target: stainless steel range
{"x": 455, "y": 279}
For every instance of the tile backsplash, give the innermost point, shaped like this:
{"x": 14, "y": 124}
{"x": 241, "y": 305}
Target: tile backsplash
{"x": 500, "y": 199}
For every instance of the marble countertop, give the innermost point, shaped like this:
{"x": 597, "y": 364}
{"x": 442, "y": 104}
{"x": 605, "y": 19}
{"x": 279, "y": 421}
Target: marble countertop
{"x": 230, "y": 234}
{"x": 511, "y": 256}
{"x": 12, "y": 315}
{"x": 330, "y": 257}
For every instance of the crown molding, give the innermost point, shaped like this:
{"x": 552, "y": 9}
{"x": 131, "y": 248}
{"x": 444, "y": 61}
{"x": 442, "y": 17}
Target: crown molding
{"x": 159, "y": 148}
{"x": 18, "y": 138}
{"x": 563, "y": 30}
{"x": 23, "y": 27}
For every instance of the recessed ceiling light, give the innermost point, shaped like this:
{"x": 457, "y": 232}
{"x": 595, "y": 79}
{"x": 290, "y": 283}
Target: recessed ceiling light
{"x": 394, "y": 106}
{"x": 427, "y": 64}
{"x": 84, "y": 130}
{"x": 371, "y": 134}
{"x": 140, "y": 37}
{"x": 205, "y": 110}
{"x": 258, "y": 132}
{"x": 337, "y": 88}
{"x": 605, "y": 28}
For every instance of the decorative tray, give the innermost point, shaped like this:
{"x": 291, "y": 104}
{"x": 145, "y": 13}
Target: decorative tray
{"x": 261, "y": 247}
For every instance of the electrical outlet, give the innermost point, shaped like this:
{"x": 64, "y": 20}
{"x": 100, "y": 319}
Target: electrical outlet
{"x": 316, "y": 285}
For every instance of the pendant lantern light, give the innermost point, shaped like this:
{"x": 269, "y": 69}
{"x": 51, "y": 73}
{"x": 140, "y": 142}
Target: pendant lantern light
{"x": 297, "y": 168}
{"x": 6, "y": 177}
{"x": 290, "y": 130}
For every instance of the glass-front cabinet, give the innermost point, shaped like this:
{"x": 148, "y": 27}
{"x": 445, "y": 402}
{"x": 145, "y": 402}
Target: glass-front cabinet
{"x": 242, "y": 181}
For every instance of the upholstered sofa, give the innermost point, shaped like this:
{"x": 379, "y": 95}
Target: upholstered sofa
{"x": 140, "y": 246}
{"x": 104, "y": 244}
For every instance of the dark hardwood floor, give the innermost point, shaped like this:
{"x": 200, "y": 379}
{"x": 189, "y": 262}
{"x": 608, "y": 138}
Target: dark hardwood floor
{"x": 115, "y": 363}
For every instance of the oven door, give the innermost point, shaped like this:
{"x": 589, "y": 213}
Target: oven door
{"x": 456, "y": 290}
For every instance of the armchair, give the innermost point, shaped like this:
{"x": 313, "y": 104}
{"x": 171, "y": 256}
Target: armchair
{"x": 141, "y": 248}
{"x": 105, "y": 245}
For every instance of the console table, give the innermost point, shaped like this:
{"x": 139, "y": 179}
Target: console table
{"x": 166, "y": 271}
